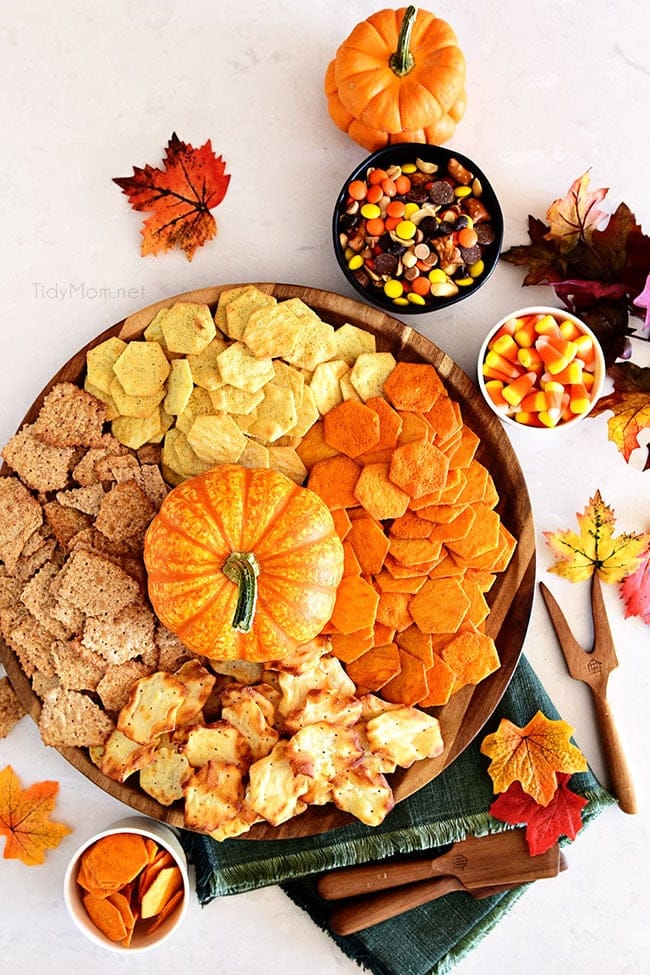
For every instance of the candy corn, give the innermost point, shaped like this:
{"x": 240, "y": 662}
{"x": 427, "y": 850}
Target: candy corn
{"x": 540, "y": 369}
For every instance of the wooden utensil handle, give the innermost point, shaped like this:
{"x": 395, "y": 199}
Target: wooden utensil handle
{"x": 620, "y": 774}
{"x": 349, "y": 882}
{"x": 366, "y": 911}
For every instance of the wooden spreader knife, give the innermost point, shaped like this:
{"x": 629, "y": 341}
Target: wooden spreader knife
{"x": 498, "y": 858}
{"x": 593, "y": 668}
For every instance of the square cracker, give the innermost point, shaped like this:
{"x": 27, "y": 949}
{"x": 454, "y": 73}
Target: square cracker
{"x": 40, "y": 466}
{"x": 71, "y": 719}
{"x": 94, "y": 585}
{"x": 20, "y": 517}
{"x": 11, "y": 710}
{"x": 70, "y": 417}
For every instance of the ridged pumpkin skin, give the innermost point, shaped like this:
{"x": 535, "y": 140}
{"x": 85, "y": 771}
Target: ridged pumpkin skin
{"x": 379, "y": 101}
{"x": 229, "y": 509}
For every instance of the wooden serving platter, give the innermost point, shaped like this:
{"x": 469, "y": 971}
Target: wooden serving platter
{"x": 510, "y": 598}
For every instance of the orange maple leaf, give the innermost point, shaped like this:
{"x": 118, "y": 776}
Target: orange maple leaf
{"x": 180, "y": 197}
{"x": 532, "y": 756}
{"x": 24, "y": 819}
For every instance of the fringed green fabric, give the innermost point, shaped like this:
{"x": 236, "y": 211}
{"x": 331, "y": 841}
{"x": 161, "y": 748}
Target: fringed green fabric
{"x": 431, "y": 939}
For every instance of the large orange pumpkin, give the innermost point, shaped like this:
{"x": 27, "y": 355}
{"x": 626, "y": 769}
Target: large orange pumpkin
{"x": 398, "y": 77}
{"x": 243, "y": 563}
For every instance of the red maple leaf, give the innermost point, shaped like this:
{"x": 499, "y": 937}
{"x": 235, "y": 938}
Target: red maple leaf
{"x": 544, "y": 824}
{"x": 635, "y": 592}
{"x": 180, "y": 197}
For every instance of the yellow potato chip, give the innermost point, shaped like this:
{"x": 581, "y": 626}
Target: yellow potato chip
{"x": 152, "y": 707}
{"x": 292, "y": 378}
{"x": 241, "y": 307}
{"x": 153, "y": 331}
{"x": 121, "y": 757}
{"x": 134, "y": 432}
{"x": 404, "y": 735}
{"x": 275, "y": 415}
{"x": 106, "y": 398}
{"x": 142, "y": 368}
{"x": 287, "y": 461}
{"x": 220, "y": 741}
{"x": 204, "y": 366}
{"x": 275, "y": 789}
{"x": 351, "y": 342}
{"x": 254, "y": 454}
{"x": 225, "y": 297}
{"x": 315, "y": 342}
{"x": 325, "y": 385}
{"x": 180, "y": 386}
{"x": 364, "y": 792}
{"x": 216, "y": 439}
{"x": 199, "y": 404}
{"x": 347, "y": 389}
{"x": 213, "y": 795}
{"x": 230, "y": 399}
{"x": 134, "y": 405}
{"x": 272, "y": 330}
{"x": 187, "y": 327}
{"x": 306, "y": 414}
{"x": 178, "y": 455}
{"x": 370, "y": 371}
{"x": 239, "y": 367}
{"x": 100, "y": 362}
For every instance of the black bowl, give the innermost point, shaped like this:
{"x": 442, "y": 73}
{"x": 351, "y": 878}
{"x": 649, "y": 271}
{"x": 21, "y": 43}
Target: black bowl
{"x": 400, "y": 154}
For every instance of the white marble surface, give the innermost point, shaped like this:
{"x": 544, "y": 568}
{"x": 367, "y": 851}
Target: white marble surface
{"x": 92, "y": 88}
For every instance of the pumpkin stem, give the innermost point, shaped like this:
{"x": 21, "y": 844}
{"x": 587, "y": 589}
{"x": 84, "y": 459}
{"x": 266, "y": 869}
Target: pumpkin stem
{"x": 242, "y": 568}
{"x": 402, "y": 61}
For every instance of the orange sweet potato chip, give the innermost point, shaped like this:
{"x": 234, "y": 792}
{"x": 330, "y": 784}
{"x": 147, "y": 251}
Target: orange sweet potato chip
{"x": 351, "y": 566}
{"x": 312, "y": 447}
{"x": 445, "y": 418}
{"x": 440, "y": 680}
{"x": 413, "y": 386}
{"x": 411, "y": 525}
{"x": 393, "y": 610}
{"x": 334, "y": 480}
{"x": 459, "y": 527}
{"x": 417, "y": 643}
{"x": 378, "y": 494}
{"x": 472, "y": 656}
{"x": 401, "y": 571}
{"x": 369, "y": 543}
{"x": 356, "y": 605}
{"x": 383, "y": 633}
{"x": 419, "y": 468}
{"x": 483, "y": 537}
{"x": 476, "y": 476}
{"x": 462, "y": 453}
{"x": 414, "y": 427}
{"x": 386, "y": 582}
{"x": 414, "y": 551}
{"x": 166, "y": 911}
{"x": 478, "y": 607}
{"x": 349, "y": 646}
{"x": 376, "y": 667}
{"x": 351, "y": 428}
{"x": 410, "y": 685}
{"x": 390, "y": 422}
{"x": 112, "y": 862}
{"x": 440, "y": 606}
{"x": 342, "y": 523}
{"x": 106, "y": 917}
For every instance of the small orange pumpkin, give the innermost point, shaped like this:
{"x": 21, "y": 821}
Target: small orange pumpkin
{"x": 243, "y": 563}
{"x": 399, "y": 77}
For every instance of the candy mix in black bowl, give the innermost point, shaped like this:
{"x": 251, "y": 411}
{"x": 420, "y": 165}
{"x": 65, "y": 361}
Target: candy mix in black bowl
{"x": 417, "y": 228}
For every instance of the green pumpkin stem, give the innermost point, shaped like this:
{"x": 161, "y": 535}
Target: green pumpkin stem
{"x": 402, "y": 61}
{"x": 242, "y": 568}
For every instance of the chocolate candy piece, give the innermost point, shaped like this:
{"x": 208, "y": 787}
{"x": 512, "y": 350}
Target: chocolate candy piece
{"x": 484, "y": 233}
{"x": 441, "y": 192}
{"x": 470, "y": 255}
{"x": 386, "y": 263}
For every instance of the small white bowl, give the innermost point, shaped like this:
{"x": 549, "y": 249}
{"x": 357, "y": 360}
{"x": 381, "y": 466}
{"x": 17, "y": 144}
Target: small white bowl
{"x": 599, "y": 369}
{"x": 73, "y": 893}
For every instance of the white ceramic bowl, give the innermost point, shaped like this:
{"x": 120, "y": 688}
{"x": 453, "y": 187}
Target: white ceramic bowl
{"x": 73, "y": 893}
{"x": 508, "y": 414}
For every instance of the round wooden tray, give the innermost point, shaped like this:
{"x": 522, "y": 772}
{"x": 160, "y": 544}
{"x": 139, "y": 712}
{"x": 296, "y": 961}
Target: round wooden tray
{"x": 510, "y": 598}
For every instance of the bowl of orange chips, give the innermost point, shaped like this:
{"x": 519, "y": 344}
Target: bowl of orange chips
{"x": 541, "y": 368}
{"x": 127, "y": 888}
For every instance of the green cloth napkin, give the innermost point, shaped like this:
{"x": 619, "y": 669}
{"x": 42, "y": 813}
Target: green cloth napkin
{"x": 428, "y": 940}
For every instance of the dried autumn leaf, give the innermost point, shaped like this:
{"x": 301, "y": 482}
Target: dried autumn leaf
{"x": 630, "y": 404}
{"x": 24, "y": 819}
{"x": 532, "y": 756}
{"x": 596, "y": 548}
{"x": 180, "y": 197}
{"x": 635, "y": 591}
{"x": 576, "y": 215}
{"x": 544, "y": 824}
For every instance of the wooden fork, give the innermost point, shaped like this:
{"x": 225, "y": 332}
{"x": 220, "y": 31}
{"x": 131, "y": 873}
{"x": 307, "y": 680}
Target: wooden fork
{"x": 594, "y": 668}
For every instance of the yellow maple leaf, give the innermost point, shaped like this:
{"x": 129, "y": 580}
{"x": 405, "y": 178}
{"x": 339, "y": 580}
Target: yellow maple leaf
{"x": 532, "y": 756}
{"x": 24, "y": 818}
{"x": 596, "y": 548}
